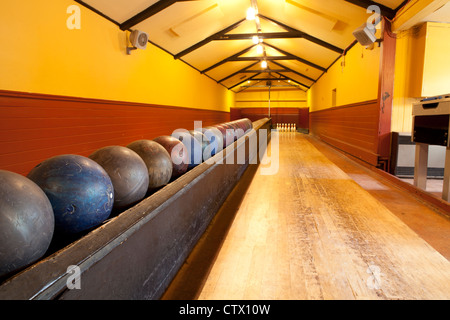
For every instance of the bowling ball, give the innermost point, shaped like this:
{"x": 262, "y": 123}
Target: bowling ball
{"x": 178, "y": 154}
{"x": 228, "y": 136}
{"x": 241, "y": 124}
{"x": 238, "y": 131}
{"x": 203, "y": 140}
{"x": 157, "y": 161}
{"x": 194, "y": 148}
{"x": 26, "y": 222}
{"x": 79, "y": 189}
{"x": 215, "y": 139}
{"x": 128, "y": 173}
{"x": 248, "y": 124}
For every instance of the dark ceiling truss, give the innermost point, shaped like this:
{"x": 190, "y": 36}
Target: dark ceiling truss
{"x": 286, "y": 69}
{"x": 265, "y": 70}
{"x": 243, "y": 70}
{"x": 258, "y": 81}
{"x": 262, "y": 35}
{"x": 270, "y": 79}
{"x": 149, "y": 12}
{"x": 304, "y": 35}
{"x": 385, "y": 11}
{"x": 290, "y": 33}
{"x": 245, "y": 80}
{"x": 288, "y": 55}
{"x": 240, "y": 53}
{"x": 297, "y": 58}
{"x": 262, "y": 71}
{"x": 296, "y": 81}
{"x": 222, "y": 35}
{"x": 209, "y": 39}
{"x": 84, "y": 4}
{"x": 268, "y": 58}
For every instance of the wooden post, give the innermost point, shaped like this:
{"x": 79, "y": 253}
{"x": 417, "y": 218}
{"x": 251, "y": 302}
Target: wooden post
{"x": 446, "y": 185}
{"x": 421, "y": 166}
{"x": 386, "y": 91}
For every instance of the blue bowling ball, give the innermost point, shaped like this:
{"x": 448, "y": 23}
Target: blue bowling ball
{"x": 215, "y": 139}
{"x": 193, "y": 147}
{"x": 79, "y": 189}
{"x": 203, "y": 140}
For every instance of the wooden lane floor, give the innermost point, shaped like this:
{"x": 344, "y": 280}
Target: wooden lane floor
{"x": 309, "y": 232}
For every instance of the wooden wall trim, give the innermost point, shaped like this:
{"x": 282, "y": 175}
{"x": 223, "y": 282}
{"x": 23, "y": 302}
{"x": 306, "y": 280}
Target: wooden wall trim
{"x": 34, "y": 127}
{"x": 352, "y": 105}
{"x": 41, "y": 96}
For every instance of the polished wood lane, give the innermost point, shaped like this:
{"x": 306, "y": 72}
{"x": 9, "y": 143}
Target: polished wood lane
{"x": 311, "y": 232}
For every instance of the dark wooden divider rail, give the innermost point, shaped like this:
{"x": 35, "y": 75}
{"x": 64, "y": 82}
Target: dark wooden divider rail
{"x": 136, "y": 254}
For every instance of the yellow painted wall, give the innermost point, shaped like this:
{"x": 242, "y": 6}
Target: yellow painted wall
{"x": 422, "y": 68}
{"x": 279, "y": 98}
{"x": 354, "y": 82}
{"x": 404, "y": 72}
{"x": 436, "y": 71}
{"x": 40, "y": 54}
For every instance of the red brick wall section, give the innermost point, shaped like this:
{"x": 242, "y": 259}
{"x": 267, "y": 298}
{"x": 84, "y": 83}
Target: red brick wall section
{"x": 35, "y": 127}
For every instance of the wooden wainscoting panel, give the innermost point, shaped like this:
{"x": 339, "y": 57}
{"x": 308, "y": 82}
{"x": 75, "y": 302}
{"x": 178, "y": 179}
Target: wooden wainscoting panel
{"x": 34, "y": 127}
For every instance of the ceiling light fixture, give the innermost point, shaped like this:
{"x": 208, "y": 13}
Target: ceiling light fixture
{"x": 251, "y": 13}
{"x": 259, "y": 49}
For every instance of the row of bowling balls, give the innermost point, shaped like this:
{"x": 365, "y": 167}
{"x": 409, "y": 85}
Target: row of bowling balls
{"x": 69, "y": 194}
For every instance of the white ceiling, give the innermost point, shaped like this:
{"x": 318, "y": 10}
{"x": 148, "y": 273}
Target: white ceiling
{"x": 326, "y": 23}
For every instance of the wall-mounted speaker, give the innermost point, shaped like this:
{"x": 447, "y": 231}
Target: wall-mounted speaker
{"x": 365, "y": 34}
{"x": 138, "y": 40}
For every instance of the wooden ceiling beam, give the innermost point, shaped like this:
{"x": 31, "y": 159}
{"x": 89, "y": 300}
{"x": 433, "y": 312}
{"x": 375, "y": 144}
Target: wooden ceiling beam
{"x": 268, "y": 58}
{"x": 228, "y": 59}
{"x": 261, "y": 35}
{"x": 269, "y": 79}
{"x": 241, "y": 82}
{"x": 297, "y": 58}
{"x": 304, "y": 35}
{"x": 264, "y": 71}
{"x": 209, "y": 39}
{"x": 385, "y": 11}
{"x": 149, "y": 12}
{"x": 293, "y": 71}
{"x": 243, "y": 70}
{"x": 302, "y": 84}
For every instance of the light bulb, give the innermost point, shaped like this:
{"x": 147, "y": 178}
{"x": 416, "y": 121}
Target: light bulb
{"x": 251, "y": 13}
{"x": 259, "y": 49}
